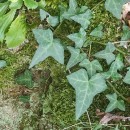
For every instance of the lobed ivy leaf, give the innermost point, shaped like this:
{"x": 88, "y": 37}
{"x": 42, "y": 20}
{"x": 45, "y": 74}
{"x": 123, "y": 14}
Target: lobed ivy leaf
{"x": 83, "y": 19}
{"x": 31, "y": 4}
{"x": 91, "y": 67}
{"x": 3, "y": 8}
{"x": 71, "y": 11}
{"x": 127, "y": 77}
{"x": 52, "y": 20}
{"x": 2, "y": 63}
{"x": 75, "y": 58}
{"x": 5, "y": 21}
{"x": 97, "y": 32}
{"x": 114, "y": 103}
{"x": 78, "y": 38}
{"x": 107, "y": 54}
{"x": 85, "y": 89}
{"x": 25, "y": 79}
{"x": 113, "y": 71}
{"x": 16, "y": 5}
{"x": 115, "y": 7}
{"x": 17, "y": 32}
{"x": 47, "y": 47}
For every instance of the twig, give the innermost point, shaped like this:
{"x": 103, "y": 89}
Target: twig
{"x": 90, "y": 48}
{"x": 116, "y": 91}
{"x": 89, "y": 120}
{"x": 97, "y": 5}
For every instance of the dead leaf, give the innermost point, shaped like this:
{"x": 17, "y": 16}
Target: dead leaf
{"x": 126, "y": 14}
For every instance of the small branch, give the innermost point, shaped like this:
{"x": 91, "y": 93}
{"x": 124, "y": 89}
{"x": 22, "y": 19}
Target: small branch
{"x": 90, "y": 48}
{"x": 89, "y": 120}
{"x": 116, "y": 91}
{"x": 97, "y": 5}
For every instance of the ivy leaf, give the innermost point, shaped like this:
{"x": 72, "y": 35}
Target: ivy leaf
{"x": 97, "y": 32}
{"x": 25, "y": 79}
{"x": 85, "y": 89}
{"x": 91, "y": 67}
{"x": 125, "y": 35}
{"x": 52, "y": 20}
{"x": 16, "y": 5}
{"x": 30, "y": 4}
{"x": 127, "y": 77}
{"x": 78, "y": 38}
{"x": 115, "y": 66}
{"x": 47, "y": 47}
{"x": 107, "y": 53}
{"x": 17, "y": 32}
{"x": 115, "y": 7}
{"x": 5, "y": 21}
{"x": 3, "y": 8}
{"x": 83, "y": 19}
{"x": 2, "y": 63}
{"x": 75, "y": 58}
{"x": 114, "y": 103}
{"x": 71, "y": 11}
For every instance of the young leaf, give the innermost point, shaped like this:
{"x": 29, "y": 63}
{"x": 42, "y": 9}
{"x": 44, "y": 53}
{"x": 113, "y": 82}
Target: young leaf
{"x": 78, "y": 38}
{"x": 30, "y": 4}
{"x": 85, "y": 89}
{"x": 52, "y": 20}
{"x": 16, "y": 5}
{"x": 2, "y": 63}
{"x": 115, "y": 7}
{"x": 97, "y": 32}
{"x": 127, "y": 77}
{"x": 114, "y": 103}
{"x": 47, "y": 47}
{"x": 75, "y": 58}
{"x": 83, "y": 19}
{"x": 115, "y": 66}
{"x": 91, "y": 67}
{"x": 25, "y": 79}
{"x": 107, "y": 53}
{"x": 17, "y": 32}
{"x": 3, "y": 8}
{"x": 5, "y": 21}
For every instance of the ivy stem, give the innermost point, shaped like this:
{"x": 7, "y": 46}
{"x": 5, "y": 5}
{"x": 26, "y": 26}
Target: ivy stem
{"x": 57, "y": 28}
{"x": 117, "y": 91}
{"x": 90, "y": 48}
{"x": 97, "y": 5}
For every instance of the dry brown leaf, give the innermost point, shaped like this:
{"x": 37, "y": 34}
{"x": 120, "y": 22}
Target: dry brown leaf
{"x": 126, "y": 14}
{"x": 109, "y": 117}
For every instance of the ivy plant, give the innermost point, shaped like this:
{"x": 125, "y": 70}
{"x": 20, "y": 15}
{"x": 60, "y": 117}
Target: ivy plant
{"x": 86, "y": 73}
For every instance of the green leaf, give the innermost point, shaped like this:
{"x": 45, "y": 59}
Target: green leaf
{"x": 97, "y": 32}
{"x": 83, "y": 19}
{"x": 107, "y": 53}
{"x": 25, "y": 79}
{"x": 71, "y": 11}
{"x": 114, "y": 103}
{"x": 16, "y": 5}
{"x": 75, "y": 58}
{"x": 91, "y": 67}
{"x": 30, "y": 4}
{"x": 115, "y": 7}
{"x": 24, "y": 98}
{"x": 78, "y": 38}
{"x": 3, "y": 8}
{"x": 125, "y": 35}
{"x": 17, "y": 32}
{"x": 115, "y": 66}
{"x": 5, "y": 21}
{"x": 47, "y": 47}
{"x": 52, "y": 20}
{"x": 85, "y": 89}
{"x": 127, "y": 77}
{"x": 2, "y": 63}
